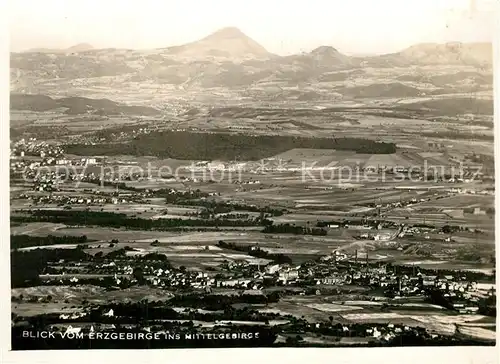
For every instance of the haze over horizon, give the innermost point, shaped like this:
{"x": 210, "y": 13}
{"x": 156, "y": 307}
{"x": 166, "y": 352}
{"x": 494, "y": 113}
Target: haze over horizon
{"x": 282, "y": 30}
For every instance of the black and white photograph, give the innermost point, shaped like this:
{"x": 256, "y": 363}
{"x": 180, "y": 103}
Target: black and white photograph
{"x": 251, "y": 174}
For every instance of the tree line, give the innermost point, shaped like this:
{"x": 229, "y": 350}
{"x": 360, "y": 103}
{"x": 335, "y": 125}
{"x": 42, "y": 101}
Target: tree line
{"x": 111, "y": 219}
{"x": 223, "y": 146}
{"x": 24, "y": 241}
{"x": 224, "y": 207}
{"x": 287, "y": 228}
{"x": 26, "y": 266}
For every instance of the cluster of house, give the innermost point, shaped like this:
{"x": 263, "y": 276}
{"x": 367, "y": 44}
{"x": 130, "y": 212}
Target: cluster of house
{"x": 249, "y": 182}
{"x": 92, "y": 139}
{"x": 243, "y": 273}
{"x": 78, "y": 161}
{"x": 43, "y": 154}
{"x": 381, "y": 332}
{"x": 47, "y": 182}
{"x": 409, "y": 203}
{"x": 174, "y": 278}
{"x": 126, "y": 135}
{"x": 463, "y": 295}
{"x": 335, "y": 269}
{"x": 325, "y": 273}
{"x": 72, "y": 316}
{"x": 284, "y": 273}
{"x": 470, "y": 191}
{"x": 31, "y": 167}
{"x": 47, "y": 177}
{"x": 155, "y": 276}
{"x": 162, "y": 277}
{"x": 215, "y": 166}
{"x": 239, "y": 274}
{"x": 34, "y": 147}
{"x": 67, "y": 200}
{"x": 96, "y": 199}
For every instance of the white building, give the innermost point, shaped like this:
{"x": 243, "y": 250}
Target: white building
{"x": 271, "y": 269}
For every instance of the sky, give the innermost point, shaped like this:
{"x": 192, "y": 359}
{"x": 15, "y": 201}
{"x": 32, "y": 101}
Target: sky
{"x": 281, "y": 26}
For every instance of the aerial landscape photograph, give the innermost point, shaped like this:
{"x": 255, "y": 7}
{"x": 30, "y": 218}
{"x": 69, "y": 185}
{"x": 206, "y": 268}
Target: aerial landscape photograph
{"x": 221, "y": 185}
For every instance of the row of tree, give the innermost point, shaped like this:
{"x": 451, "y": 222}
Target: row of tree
{"x": 111, "y": 219}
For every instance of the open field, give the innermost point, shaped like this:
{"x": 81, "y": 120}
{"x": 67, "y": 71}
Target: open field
{"x": 69, "y": 300}
{"x": 38, "y": 229}
{"x": 477, "y": 332}
{"x": 331, "y": 307}
{"x": 193, "y": 246}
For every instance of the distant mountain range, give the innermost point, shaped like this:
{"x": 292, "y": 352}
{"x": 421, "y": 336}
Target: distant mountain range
{"x": 228, "y": 58}
{"x": 81, "y": 47}
{"x": 479, "y": 54}
{"x": 77, "y": 106}
{"x": 231, "y": 43}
